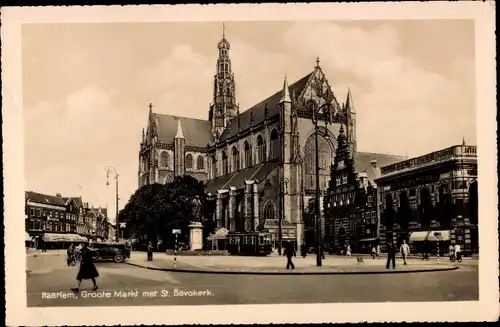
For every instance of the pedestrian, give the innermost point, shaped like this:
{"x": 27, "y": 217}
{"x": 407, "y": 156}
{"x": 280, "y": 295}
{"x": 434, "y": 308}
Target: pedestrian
{"x": 457, "y": 251}
{"x": 289, "y": 253}
{"x": 405, "y": 251}
{"x": 379, "y": 251}
{"x": 303, "y": 250}
{"x": 70, "y": 252}
{"x": 321, "y": 252}
{"x": 87, "y": 269}
{"x": 348, "y": 251}
{"x": 391, "y": 255}
{"x": 374, "y": 251}
{"x": 150, "y": 251}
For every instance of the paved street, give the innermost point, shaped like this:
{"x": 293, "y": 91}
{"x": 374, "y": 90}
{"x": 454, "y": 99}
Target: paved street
{"x": 49, "y": 275}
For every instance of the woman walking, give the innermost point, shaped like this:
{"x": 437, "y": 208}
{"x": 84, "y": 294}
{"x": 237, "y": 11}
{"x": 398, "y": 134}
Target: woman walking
{"x": 87, "y": 269}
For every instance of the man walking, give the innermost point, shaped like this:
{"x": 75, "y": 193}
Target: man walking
{"x": 289, "y": 253}
{"x": 405, "y": 251}
{"x": 391, "y": 255}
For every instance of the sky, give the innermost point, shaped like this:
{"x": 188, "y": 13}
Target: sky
{"x": 87, "y": 87}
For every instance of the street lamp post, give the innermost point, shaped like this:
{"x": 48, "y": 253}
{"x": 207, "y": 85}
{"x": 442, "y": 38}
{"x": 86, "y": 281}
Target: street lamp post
{"x": 112, "y": 170}
{"x": 325, "y": 111}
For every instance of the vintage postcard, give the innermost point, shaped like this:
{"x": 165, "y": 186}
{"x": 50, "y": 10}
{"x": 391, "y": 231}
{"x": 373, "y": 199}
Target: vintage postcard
{"x": 250, "y": 163}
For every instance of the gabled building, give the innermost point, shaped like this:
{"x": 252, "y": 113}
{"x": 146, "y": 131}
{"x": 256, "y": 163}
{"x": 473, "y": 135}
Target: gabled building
{"x": 351, "y": 202}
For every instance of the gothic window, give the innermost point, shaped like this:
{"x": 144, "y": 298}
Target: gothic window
{"x": 225, "y": 167}
{"x": 248, "y": 155}
{"x": 269, "y": 210}
{"x": 261, "y": 149}
{"x": 164, "y": 159}
{"x": 325, "y": 153}
{"x": 189, "y": 161}
{"x": 234, "y": 163}
{"x": 213, "y": 169}
{"x": 200, "y": 164}
{"x": 274, "y": 144}
{"x": 344, "y": 178}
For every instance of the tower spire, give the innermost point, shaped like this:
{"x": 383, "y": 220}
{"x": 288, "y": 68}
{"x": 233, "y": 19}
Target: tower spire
{"x": 224, "y": 106}
{"x": 463, "y": 140}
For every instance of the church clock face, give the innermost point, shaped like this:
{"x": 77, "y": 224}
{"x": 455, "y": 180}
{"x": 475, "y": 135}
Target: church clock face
{"x": 340, "y": 165}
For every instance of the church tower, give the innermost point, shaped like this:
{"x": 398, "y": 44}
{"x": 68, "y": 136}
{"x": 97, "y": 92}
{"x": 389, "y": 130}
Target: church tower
{"x": 224, "y": 106}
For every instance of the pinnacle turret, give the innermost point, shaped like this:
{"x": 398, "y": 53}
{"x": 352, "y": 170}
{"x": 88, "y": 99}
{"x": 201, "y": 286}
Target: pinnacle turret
{"x": 285, "y": 94}
{"x": 180, "y": 134}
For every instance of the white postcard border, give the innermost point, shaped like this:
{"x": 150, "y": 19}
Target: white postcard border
{"x": 13, "y": 141}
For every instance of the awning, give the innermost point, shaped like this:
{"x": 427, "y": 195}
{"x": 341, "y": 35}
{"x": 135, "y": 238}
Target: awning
{"x": 439, "y": 235}
{"x": 53, "y": 237}
{"x": 419, "y": 236}
{"x": 219, "y": 234}
{"x": 368, "y": 240}
{"x": 27, "y": 237}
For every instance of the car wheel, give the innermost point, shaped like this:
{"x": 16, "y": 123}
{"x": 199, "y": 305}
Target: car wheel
{"x": 119, "y": 258}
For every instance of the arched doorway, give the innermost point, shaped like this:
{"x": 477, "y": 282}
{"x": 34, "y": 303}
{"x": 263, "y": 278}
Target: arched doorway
{"x": 473, "y": 201}
{"x": 404, "y": 210}
{"x": 473, "y": 216}
{"x": 445, "y": 206}
{"x": 342, "y": 237}
{"x": 389, "y": 212}
{"x": 425, "y": 212}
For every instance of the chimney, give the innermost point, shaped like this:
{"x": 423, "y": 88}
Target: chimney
{"x": 374, "y": 163}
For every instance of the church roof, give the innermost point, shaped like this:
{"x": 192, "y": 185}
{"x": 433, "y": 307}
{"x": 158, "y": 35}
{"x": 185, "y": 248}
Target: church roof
{"x": 237, "y": 179}
{"x": 258, "y": 110}
{"x": 197, "y": 132}
{"x": 363, "y": 162}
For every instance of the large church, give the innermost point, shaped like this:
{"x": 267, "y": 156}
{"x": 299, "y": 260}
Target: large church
{"x": 259, "y": 164}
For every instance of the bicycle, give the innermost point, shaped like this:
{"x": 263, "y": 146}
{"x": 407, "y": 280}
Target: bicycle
{"x": 457, "y": 258}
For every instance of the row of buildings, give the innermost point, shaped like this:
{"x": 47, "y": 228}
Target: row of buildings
{"x": 53, "y": 221}
{"x": 260, "y": 168}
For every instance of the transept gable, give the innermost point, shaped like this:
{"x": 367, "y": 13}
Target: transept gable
{"x": 319, "y": 90}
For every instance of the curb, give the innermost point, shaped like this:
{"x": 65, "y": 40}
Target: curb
{"x": 222, "y": 272}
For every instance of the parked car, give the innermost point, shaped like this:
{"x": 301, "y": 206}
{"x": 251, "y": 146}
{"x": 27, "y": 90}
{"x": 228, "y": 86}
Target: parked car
{"x": 111, "y": 251}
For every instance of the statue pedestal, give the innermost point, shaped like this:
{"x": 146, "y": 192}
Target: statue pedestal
{"x": 195, "y": 236}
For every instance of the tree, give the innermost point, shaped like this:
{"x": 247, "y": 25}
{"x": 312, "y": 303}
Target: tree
{"x": 155, "y": 210}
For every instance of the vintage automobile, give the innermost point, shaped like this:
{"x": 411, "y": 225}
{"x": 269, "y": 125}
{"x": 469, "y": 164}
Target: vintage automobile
{"x": 110, "y": 251}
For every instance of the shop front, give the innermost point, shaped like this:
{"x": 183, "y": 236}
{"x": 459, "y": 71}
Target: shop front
{"x": 430, "y": 241}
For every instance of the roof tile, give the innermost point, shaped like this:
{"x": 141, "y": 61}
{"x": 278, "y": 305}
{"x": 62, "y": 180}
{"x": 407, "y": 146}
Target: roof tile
{"x": 258, "y": 110}
{"x": 197, "y": 132}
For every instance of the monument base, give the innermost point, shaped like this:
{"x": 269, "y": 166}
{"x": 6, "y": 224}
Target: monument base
{"x": 195, "y": 236}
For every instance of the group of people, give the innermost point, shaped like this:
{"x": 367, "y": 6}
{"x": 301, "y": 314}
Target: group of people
{"x": 87, "y": 269}
{"x": 454, "y": 252}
